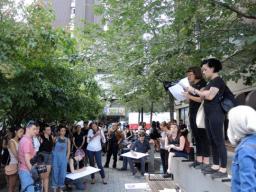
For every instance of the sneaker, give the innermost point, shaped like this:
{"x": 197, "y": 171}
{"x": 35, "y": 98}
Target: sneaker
{"x": 135, "y": 171}
{"x": 205, "y": 166}
{"x": 219, "y": 174}
{"x": 168, "y": 175}
{"x": 106, "y": 166}
{"x": 122, "y": 169}
{"x": 209, "y": 170}
{"x": 194, "y": 164}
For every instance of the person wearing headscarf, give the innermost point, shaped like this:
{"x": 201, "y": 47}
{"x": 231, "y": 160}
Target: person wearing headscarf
{"x": 242, "y": 133}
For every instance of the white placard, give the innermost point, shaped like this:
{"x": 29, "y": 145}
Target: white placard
{"x": 168, "y": 190}
{"x": 129, "y": 186}
{"x": 88, "y": 171}
{"x": 134, "y": 155}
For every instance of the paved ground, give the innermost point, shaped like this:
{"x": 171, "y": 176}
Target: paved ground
{"x": 116, "y": 180}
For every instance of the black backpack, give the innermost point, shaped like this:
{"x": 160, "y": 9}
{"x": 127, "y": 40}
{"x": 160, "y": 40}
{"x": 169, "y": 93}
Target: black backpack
{"x": 227, "y": 100}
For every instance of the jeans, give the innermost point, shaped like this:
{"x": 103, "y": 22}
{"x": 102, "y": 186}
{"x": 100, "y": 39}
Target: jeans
{"x": 59, "y": 170}
{"x": 142, "y": 164}
{"x": 97, "y": 156}
{"x": 125, "y": 159}
{"x": 26, "y": 181}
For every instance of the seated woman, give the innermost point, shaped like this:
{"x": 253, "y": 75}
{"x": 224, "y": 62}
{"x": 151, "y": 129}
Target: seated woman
{"x": 76, "y": 165}
{"x": 242, "y": 132}
{"x": 177, "y": 144}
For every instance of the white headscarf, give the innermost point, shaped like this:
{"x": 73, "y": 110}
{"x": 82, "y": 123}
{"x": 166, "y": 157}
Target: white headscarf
{"x": 242, "y": 122}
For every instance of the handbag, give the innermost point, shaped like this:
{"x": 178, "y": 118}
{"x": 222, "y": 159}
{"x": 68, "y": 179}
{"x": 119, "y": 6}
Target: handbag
{"x": 11, "y": 169}
{"x": 227, "y": 100}
{"x": 200, "y": 117}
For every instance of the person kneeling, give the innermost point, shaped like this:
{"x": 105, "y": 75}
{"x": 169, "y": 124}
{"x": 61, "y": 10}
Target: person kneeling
{"x": 177, "y": 144}
{"x": 141, "y": 145}
{"x": 76, "y": 165}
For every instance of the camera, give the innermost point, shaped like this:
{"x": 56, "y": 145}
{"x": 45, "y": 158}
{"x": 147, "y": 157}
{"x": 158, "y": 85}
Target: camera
{"x": 38, "y": 168}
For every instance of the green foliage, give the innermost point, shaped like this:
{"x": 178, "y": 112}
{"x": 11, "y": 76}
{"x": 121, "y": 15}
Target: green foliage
{"x": 180, "y": 34}
{"x": 40, "y": 74}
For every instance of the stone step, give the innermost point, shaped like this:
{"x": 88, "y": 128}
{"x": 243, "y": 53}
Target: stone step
{"x": 192, "y": 180}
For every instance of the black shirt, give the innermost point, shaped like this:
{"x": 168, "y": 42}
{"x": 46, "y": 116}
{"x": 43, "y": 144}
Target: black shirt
{"x": 194, "y": 106}
{"x": 77, "y": 165}
{"x": 78, "y": 139}
{"x": 46, "y": 144}
{"x": 215, "y": 102}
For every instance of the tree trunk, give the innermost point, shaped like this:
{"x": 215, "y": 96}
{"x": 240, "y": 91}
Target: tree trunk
{"x": 151, "y": 112}
{"x": 141, "y": 114}
{"x": 171, "y": 107}
{"x": 139, "y": 117}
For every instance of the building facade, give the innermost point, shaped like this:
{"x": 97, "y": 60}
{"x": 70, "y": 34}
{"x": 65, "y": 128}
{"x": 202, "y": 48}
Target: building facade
{"x": 73, "y": 13}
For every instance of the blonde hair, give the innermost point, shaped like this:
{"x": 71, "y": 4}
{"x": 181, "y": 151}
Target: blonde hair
{"x": 242, "y": 122}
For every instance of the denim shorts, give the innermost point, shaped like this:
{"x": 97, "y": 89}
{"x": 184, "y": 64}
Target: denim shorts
{"x": 47, "y": 157}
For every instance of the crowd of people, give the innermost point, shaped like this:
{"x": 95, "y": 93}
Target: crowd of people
{"x": 39, "y": 153}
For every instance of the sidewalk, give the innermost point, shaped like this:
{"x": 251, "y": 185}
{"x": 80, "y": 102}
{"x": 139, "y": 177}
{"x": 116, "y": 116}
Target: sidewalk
{"x": 116, "y": 180}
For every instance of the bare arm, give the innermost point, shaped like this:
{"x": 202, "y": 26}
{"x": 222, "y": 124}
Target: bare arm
{"x": 74, "y": 143}
{"x": 182, "y": 144}
{"x": 82, "y": 142}
{"x": 13, "y": 148}
{"x": 207, "y": 94}
{"x": 68, "y": 149}
{"x": 166, "y": 143}
{"x": 72, "y": 169}
{"x": 27, "y": 161}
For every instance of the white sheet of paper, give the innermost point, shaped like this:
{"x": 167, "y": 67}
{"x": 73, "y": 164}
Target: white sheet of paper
{"x": 136, "y": 186}
{"x": 88, "y": 171}
{"x": 134, "y": 155}
{"x": 177, "y": 92}
{"x": 178, "y": 89}
{"x": 184, "y": 82}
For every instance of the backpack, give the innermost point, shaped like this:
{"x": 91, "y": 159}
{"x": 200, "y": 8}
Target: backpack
{"x": 227, "y": 100}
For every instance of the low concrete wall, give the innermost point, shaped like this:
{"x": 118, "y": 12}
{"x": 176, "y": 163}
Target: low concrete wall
{"x": 192, "y": 180}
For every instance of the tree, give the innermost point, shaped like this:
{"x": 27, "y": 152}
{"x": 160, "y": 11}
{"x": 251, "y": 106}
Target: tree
{"x": 40, "y": 75}
{"x": 153, "y": 40}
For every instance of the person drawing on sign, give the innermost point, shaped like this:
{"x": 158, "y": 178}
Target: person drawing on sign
{"x": 140, "y": 145}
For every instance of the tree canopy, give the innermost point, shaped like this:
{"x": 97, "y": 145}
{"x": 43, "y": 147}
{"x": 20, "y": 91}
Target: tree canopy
{"x": 149, "y": 41}
{"x": 39, "y": 77}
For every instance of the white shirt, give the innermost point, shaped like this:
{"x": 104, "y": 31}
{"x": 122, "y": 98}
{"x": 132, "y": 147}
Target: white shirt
{"x": 162, "y": 140}
{"x": 94, "y": 143}
{"x": 36, "y": 143}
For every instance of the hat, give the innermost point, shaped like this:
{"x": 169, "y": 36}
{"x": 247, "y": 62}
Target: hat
{"x": 80, "y": 123}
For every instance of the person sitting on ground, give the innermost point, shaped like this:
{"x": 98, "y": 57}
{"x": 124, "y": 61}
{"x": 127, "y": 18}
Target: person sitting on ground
{"x": 242, "y": 132}
{"x": 177, "y": 144}
{"x": 141, "y": 145}
{"x": 76, "y": 165}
